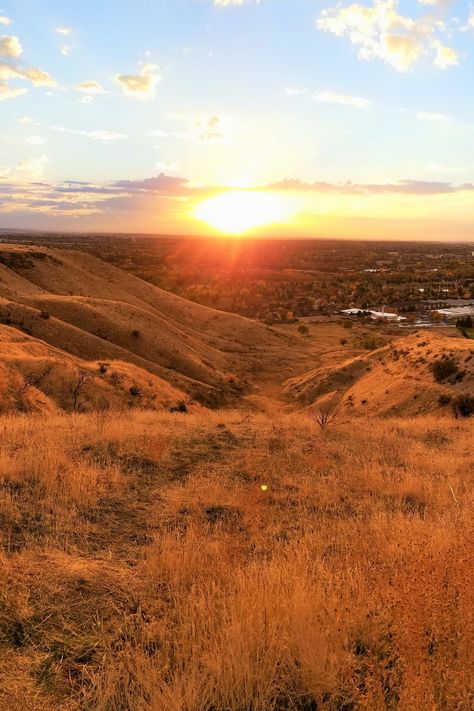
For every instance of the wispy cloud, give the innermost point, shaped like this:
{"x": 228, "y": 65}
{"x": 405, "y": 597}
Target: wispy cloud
{"x": 295, "y": 91}
{"x": 26, "y": 120}
{"x": 432, "y": 116}
{"x": 329, "y": 97}
{"x": 8, "y": 92}
{"x": 229, "y": 3}
{"x": 35, "y": 140}
{"x": 90, "y": 86}
{"x": 103, "y": 136}
{"x": 5, "y": 20}
{"x": 404, "y": 187}
{"x": 28, "y": 169}
{"x": 62, "y": 30}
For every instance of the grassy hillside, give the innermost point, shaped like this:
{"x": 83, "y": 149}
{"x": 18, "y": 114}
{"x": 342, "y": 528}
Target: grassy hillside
{"x": 94, "y": 311}
{"x": 36, "y": 377}
{"x": 143, "y": 566}
{"x": 413, "y": 375}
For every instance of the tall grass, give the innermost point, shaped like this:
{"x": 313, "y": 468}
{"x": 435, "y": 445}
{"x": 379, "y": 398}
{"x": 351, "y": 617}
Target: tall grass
{"x": 143, "y": 566}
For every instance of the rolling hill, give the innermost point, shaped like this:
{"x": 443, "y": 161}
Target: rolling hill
{"x": 412, "y": 375}
{"x": 88, "y": 309}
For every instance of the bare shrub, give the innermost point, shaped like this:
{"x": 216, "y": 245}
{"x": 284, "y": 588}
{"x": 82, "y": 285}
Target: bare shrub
{"x": 76, "y": 388}
{"x": 34, "y": 380}
{"x": 324, "y": 416}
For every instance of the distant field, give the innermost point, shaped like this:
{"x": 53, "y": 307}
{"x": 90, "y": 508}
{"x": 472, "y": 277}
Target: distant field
{"x": 143, "y": 565}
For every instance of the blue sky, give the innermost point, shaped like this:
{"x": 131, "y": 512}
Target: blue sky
{"x": 227, "y": 95}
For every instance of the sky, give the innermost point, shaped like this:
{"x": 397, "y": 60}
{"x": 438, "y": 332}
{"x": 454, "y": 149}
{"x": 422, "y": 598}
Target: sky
{"x": 295, "y": 118}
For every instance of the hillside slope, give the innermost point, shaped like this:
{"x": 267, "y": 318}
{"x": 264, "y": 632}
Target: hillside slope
{"x": 37, "y": 377}
{"x": 94, "y": 311}
{"x": 393, "y": 380}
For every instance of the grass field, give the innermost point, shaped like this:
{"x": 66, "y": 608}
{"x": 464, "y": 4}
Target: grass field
{"x": 143, "y": 565}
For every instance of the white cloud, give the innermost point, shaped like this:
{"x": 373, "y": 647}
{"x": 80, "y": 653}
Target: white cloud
{"x": 100, "y": 135}
{"x": 36, "y": 76}
{"x": 381, "y": 32}
{"x": 5, "y": 20}
{"x": 28, "y": 169}
{"x": 167, "y": 168}
{"x": 470, "y": 23}
{"x": 65, "y": 50}
{"x": 229, "y": 3}
{"x": 432, "y": 116}
{"x": 12, "y": 68}
{"x": 209, "y": 128}
{"x": 33, "y": 168}
{"x": 63, "y": 30}
{"x": 10, "y": 46}
{"x": 8, "y": 92}
{"x": 90, "y": 86}
{"x": 35, "y": 140}
{"x": 159, "y": 133}
{"x": 142, "y": 85}
{"x": 27, "y": 120}
{"x": 295, "y": 91}
{"x": 434, "y": 3}
{"x": 330, "y": 97}
{"x": 445, "y": 56}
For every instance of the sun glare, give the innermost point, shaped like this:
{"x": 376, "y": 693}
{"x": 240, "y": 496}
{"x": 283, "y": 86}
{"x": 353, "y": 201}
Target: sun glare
{"x": 239, "y": 211}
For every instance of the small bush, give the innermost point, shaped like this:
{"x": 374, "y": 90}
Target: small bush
{"x": 444, "y": 399}
{"x": 136, "y": 333}
{"x": 304, "y": 330}
{"x": 180, "y": 407}
{"x": 324, "y": 416}
{"x": 443, "y": 369}
{"x": 44, "y": 315}
{"x": 135, "y": 391}
{"x": 463, "y": 405}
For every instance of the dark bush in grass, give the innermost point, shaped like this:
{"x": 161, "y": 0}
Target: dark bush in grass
{"x": 463, "y": 405}
{"x": 180, "y": 407}
{"x": 443, "y": 369}
{"x": 444, "y": 399}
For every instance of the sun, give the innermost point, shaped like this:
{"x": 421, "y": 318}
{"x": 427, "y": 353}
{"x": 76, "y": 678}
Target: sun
{"x": 238, "y": 211}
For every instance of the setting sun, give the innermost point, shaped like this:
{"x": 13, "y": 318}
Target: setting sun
{"x": 238, "y": 211}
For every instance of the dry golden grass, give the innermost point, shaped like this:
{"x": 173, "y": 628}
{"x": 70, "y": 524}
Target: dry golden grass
{"x": 143, "y": 566}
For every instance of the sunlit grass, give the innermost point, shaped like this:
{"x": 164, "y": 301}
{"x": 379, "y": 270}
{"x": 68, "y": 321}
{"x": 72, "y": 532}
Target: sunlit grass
{"x": 204, "y": 561}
